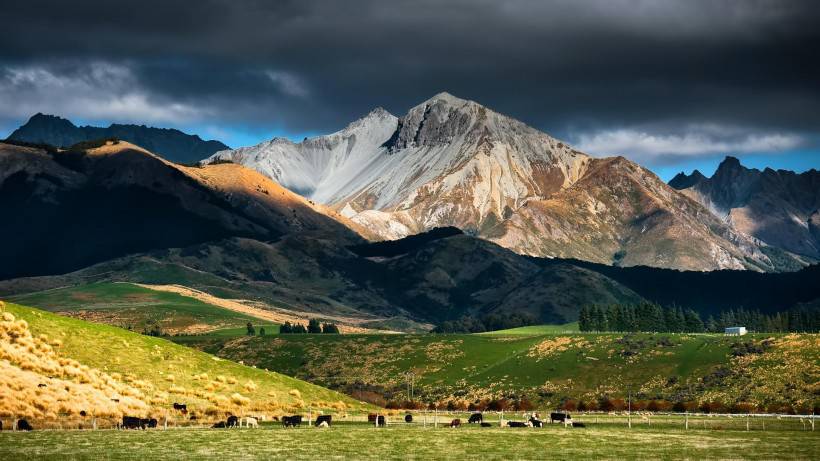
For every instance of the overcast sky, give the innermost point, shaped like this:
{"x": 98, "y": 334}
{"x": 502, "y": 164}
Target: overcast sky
{"x": 674, "y": 85}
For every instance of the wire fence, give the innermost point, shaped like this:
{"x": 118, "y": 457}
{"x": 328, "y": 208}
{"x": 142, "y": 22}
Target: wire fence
{"x": 436, "y": 419}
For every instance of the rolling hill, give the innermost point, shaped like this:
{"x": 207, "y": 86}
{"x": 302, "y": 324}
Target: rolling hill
{"x": 545, "y": 367}
{"x": 118, "y": 199}
{"x": 60, "y": 366}
{"x": 136, "y": 308}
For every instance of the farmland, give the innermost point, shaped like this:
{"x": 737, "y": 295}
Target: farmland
{"x": 767, "y": 372}
{"x": 134, "y": 307}
{"x": 401, "y": 441}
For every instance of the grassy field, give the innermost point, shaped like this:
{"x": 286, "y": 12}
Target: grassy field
{"x": 161, "y": 371}
{"x": 413, "y": 442}
{"x": 761, "y": 370}
{"x": 128, "y": 305}
{"x": 535, "y": 330}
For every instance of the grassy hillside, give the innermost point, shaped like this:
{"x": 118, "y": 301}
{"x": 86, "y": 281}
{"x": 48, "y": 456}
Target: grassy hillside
{"x": 133, "y": 307}
{"x": 153, "y": 371}
{"x": 764, "y": 371}
{"x": 534, "y": 330}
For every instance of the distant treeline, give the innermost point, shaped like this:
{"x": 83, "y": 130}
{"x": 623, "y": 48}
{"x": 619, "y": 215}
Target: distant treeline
{"x": 712, "y": 292}
{"x": 653, "y": 317}
{"x": 313, "y": 326}
{"x": 490, "y": 322}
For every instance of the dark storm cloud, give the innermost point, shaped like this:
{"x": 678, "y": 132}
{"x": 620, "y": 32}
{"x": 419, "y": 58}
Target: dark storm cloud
{"x": 575, "y": 69}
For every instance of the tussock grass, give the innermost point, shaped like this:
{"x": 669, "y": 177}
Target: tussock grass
{"x": 93, "y": 364}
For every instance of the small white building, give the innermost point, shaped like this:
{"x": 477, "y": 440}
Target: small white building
{"x": 735, "y": 331}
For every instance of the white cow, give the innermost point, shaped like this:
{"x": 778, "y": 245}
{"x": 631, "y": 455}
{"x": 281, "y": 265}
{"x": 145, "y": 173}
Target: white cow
{"x": 250, "y": 422}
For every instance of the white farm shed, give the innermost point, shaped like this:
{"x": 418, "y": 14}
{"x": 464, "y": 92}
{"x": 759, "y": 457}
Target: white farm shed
{"x": 735, "y": 331}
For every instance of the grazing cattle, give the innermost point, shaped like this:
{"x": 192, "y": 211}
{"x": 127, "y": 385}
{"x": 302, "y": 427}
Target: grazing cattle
{"x": 181, "y": 407}
{"x": 560, "y": 417}
{"x": 578, "y": 424}
{"x": 149, "y": 422}
{"x": 23, "y": 425}
{"x": 486, "y": 424}
{"x": 132, "y": 422}
{"x": 518, "y": 424}
{"x": 219, "y": 425}
{"x": 408, "y": 418}
{"x": 536, "y": 422}
{"x": 381, "y": 421}
{"x": 251, "y": 422}
{"x": 292, "y": 421}
{"x": 41, "y": 385}
{"x": 324, "y": 419}
{"x": 455, "y": 423}
{"x": 475, "y": 418}
{"x": 233, "y": 421}
{"x": 371, "y": 417}
{"x": 193, "y": 417}
{"x": 83, "y": 413}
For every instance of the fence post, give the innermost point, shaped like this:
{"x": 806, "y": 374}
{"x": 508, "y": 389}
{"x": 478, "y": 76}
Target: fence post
{"x": 501, "y": 420}
{"x": 425, "y": 418}
{"x": 686, "y": 418}
{"x": 747, "y": 423}
{"x": 435, "y": 421}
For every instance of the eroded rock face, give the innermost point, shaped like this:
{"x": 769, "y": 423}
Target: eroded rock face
{"x": 776, "y": 206}
{"x": 453, "y": 162}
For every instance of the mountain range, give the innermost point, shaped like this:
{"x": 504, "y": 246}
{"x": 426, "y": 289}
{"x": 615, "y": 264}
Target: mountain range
{"x": 454, "y": 162}
{"x": 174, "y": 145}
{"x": 113, "y": 211}
{"x": 778, "y": 207}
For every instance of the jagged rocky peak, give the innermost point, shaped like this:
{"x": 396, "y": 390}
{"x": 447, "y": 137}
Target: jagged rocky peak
{"x": 685, "y": 181}
{"x": 435, "y": 122}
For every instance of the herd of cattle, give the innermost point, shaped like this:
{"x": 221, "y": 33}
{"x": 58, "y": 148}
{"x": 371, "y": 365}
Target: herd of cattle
{"x": 132, "y": 422}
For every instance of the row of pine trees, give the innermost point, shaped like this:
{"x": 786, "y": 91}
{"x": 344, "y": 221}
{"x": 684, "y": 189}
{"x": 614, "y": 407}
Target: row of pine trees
{"x": 653, "y": 317}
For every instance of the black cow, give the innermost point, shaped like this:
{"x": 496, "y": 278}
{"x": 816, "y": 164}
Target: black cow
{"x": 486, "y": 425}
{"x": 408, "y": 418}
{"x": 475, "y": 418}
{"x": 455, "y": 423}
{"x": 219, "y": 425}
{"x": 536, "y": 422}
{"x": 579, "y": 425}
{"x": 41, "y": 385}
{"x": 323, "y": 418}
{"x": 292, "y": 421}
{"x": 181, "y": 407}
{"x": 193, "y": 417}
{"x": 517, "y": 424}
{"x": 560, "y": 417}
{"x": 150, "y": 422}
{"x": 371, "y": 417}
{"x": 132, "y": 422}
{"x": 381, "y": 421}
{"x": 233, "y": 421}
{"x": 23, "y": 425}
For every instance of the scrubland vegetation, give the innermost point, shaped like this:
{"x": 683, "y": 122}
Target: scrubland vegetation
{"x": 56, "y": 367}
